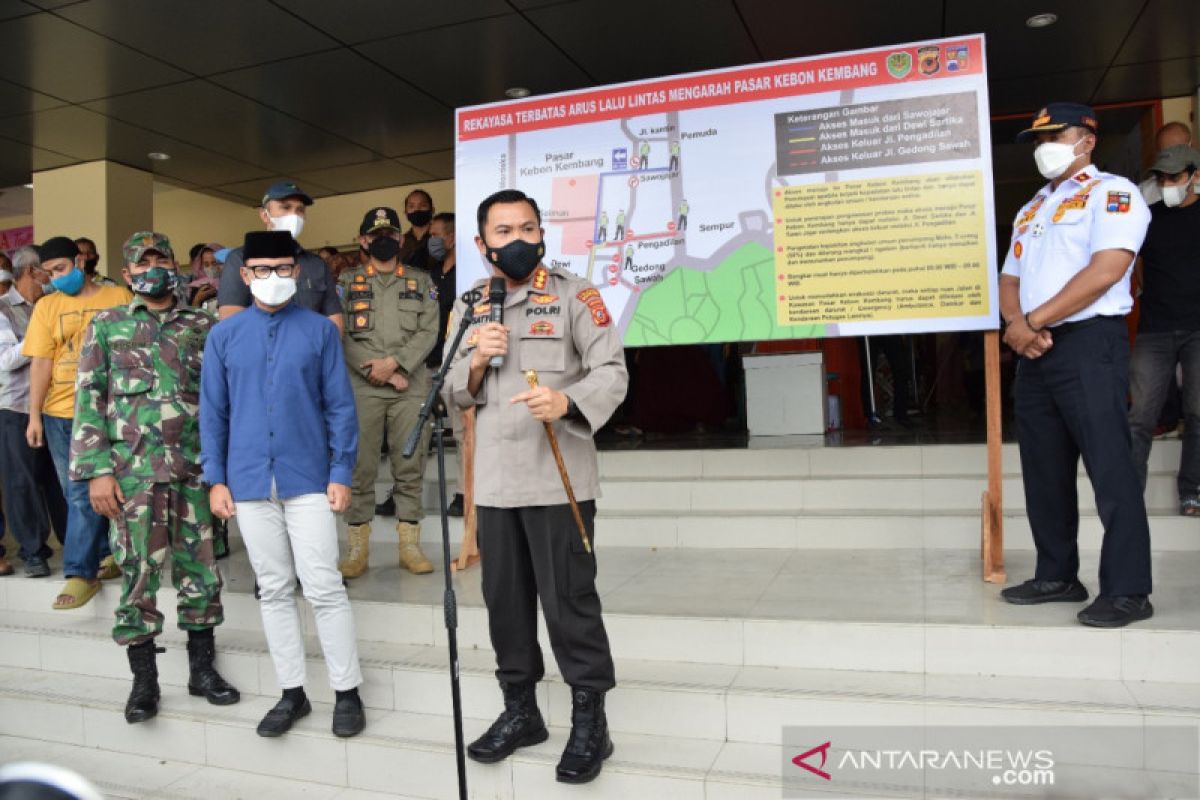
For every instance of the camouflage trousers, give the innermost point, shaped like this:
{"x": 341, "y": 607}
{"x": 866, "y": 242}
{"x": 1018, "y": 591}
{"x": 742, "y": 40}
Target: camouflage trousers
{"x": 161, "y": 519}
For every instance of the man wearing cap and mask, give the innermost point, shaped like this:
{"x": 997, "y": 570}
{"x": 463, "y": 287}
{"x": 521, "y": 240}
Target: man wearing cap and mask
{"x": 555, "y": 323}
{"x": 1169, "y": 135}
{"x": 53, "y": 342}
{"x": 279, "y": 435}
{"x": 136, "y": 442}
{"x": 284, "y": 208}
{"x": 391, "y": 325}
{"x": 1169, "y": 323}
{"x": 1064, "y": 294}
{"x": 418, "y": 210}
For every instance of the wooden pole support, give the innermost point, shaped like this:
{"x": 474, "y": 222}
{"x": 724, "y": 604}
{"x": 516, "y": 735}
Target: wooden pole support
{"x": 992, "y": 511}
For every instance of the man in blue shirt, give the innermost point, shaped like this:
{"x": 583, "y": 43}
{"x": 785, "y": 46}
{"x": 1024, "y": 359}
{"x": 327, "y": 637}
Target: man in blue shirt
{"x": 279, "y": 438}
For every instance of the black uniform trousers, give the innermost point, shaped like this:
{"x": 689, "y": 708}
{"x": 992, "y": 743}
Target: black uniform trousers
{"x": 1073, "y": 401}
{"x": 536, "y": 552}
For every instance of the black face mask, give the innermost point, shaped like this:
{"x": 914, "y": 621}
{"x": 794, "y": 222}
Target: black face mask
{"x": 89, "y": 264}
{"x": 384, "y": 249}
{"x": 517, "y": 259}
{"x": 419, "y": 219}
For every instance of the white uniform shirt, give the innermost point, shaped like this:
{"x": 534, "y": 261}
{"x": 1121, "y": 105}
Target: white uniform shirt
{"x": 1056, "y": 233}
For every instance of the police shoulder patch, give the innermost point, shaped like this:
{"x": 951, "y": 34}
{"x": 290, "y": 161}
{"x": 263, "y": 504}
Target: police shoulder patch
{"x": 595, "y": 303}
{"x": 1118, "y": 203}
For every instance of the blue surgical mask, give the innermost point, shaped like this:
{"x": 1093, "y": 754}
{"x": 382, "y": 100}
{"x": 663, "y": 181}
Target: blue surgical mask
{"x": 70, "y": 283}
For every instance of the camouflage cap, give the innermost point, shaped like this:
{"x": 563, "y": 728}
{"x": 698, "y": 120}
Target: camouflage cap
{"x": 142, "y": 241}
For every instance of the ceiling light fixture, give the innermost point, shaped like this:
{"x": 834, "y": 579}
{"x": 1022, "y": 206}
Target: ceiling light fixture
{"x": 1041, "y": 20}
{"x": 29, "y": 186}
{"x": 517, "y": 92}
{"x": 157, "y": 156}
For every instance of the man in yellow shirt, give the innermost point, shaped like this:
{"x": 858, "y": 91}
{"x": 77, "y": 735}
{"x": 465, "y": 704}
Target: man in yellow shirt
{"x": 53, "y": 341}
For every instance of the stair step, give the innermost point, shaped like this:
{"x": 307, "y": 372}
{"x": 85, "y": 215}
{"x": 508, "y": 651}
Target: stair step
{"x": 914, "y": 611}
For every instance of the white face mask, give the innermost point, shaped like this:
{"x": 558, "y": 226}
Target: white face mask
{"x": 273, "y": 291}
{"x": 1053, "y": 158}
{"x": 292, "y": 223}
{"x": 1175, "y": 195}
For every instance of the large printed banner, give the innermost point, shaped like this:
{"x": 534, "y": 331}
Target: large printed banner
{"x": 839, "y": 195}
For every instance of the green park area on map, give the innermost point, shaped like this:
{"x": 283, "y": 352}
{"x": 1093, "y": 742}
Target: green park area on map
{"x": 734, "y": 302}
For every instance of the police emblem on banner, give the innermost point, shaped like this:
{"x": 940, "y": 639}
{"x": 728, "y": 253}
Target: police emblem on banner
{"x": 899, "y": 64}
{"x": 956, "y": 58}
{"x": 929, "y": 60}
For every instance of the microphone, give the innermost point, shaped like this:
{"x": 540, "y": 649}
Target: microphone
{"x": 496, "y": 294}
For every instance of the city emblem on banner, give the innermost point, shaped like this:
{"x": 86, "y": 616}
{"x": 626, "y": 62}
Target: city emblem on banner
{"x": 956, "y": 58}
{"x": 899, "y": 64}
{"x": 929, "y": 60}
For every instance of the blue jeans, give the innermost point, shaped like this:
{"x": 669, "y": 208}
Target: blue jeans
{"x": 1151, "y": 371}
{"x": 87, "y": 531}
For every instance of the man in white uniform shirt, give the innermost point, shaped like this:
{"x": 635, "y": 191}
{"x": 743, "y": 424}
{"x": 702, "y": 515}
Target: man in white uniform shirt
{"x": 1064, "y": 294}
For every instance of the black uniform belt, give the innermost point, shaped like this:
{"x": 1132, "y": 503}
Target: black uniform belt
{"x": 1068, "y": 327}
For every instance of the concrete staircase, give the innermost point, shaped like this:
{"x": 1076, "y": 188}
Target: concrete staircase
{"x": 745, "y": 591}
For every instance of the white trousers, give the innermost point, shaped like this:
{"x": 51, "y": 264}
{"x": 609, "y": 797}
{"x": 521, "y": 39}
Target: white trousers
{"x": 292, "y": 538}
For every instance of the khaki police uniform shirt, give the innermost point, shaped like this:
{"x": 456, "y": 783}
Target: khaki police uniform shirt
{"x": 394, "y": 315}
{"x": 560, "y": 327}
{"x": 1056, "y": 234}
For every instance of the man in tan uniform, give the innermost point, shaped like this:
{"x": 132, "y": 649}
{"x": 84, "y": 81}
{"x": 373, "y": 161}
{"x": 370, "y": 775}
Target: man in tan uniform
{"x": 554, "y": 323}
{"x": 391, "y": 325}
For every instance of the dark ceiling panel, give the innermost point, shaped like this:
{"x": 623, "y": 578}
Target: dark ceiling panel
{"x": 1150, "y": 81}
{"x": 1167, "y": 29}
{"x": 476, "y": 61}
{"x": 202, "y": 37}
{"x": 15, "y": 8}
{"x": 16, "y": 100}
{"x": 789, "y": 30}
{"x": 378, "y": 174}
{"x": 1087, "y": 35}
{"x": 53, "y": 4}
{"x": 18, "y": 162}
{"x": 252, "y": 191}
{"x": 218, "y": 119}
{"x": 439, "y": 164}
{"x": 342, "y": 92}
{"x": 53, "y": 56}
{"x": 704, "y": 34}
{"x": 85, "y": 136}
{"x": 1011, "y": 95}
{"x": 364, "y": 20}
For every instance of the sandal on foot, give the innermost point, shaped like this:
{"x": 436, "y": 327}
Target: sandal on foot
{"x": 1190, "y": 507}
{"x": 78, "y": 592}
{"x": 108, "y": 569}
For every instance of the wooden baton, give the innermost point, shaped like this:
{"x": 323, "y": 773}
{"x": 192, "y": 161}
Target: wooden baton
{"x": 532, "y": 379}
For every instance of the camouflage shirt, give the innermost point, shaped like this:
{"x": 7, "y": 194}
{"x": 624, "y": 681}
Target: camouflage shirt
{"x": 138, "y": 393}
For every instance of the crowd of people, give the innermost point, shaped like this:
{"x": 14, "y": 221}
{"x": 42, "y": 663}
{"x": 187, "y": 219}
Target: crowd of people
{"x": 138, "y": 417}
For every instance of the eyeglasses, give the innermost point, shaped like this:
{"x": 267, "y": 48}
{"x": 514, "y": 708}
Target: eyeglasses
{"x": 264, "y": 271}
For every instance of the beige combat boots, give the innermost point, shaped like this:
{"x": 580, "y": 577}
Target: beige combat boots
{"x": 411, "y": 557}
{"x": 356, "y": 559}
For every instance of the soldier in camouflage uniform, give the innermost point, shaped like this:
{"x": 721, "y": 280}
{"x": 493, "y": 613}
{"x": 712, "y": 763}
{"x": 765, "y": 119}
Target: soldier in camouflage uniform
{"x": 392, "y": 317}
{"x": 136, "y": 440}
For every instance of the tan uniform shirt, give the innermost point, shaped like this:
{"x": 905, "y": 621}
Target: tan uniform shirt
{"x": 389, "y": 315}
{"x": 558, "y": 326}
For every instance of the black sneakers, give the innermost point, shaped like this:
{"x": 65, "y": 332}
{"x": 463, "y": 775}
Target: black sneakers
{"x": 1116, "y": 612}
{"x": 1033, "y": 592}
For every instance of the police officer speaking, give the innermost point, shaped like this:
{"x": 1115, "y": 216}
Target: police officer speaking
{"x": 1064, "y": 293}
{"x": 391, "y": 325}
{"x": 556, "y": 324}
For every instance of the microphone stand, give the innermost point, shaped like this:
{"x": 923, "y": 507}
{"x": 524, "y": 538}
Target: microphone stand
{"x": 435, "y": 406}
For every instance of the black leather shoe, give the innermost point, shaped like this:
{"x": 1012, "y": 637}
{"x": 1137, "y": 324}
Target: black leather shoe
{"x": 387, "y": 508}
{"x": 1116, "y": 612}
{"x": 589, "y": 743}
{"x": 1033, "y": 592}
{"x": 143, "y": 698}
{"x": 520, "y": 724}
{"x": 349, "y": 719}
{"x": 279, "y": 720}
{"x": 36, "y": 567}
{"x": 455, "y": 509}
{"x": 203, "y": 678}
